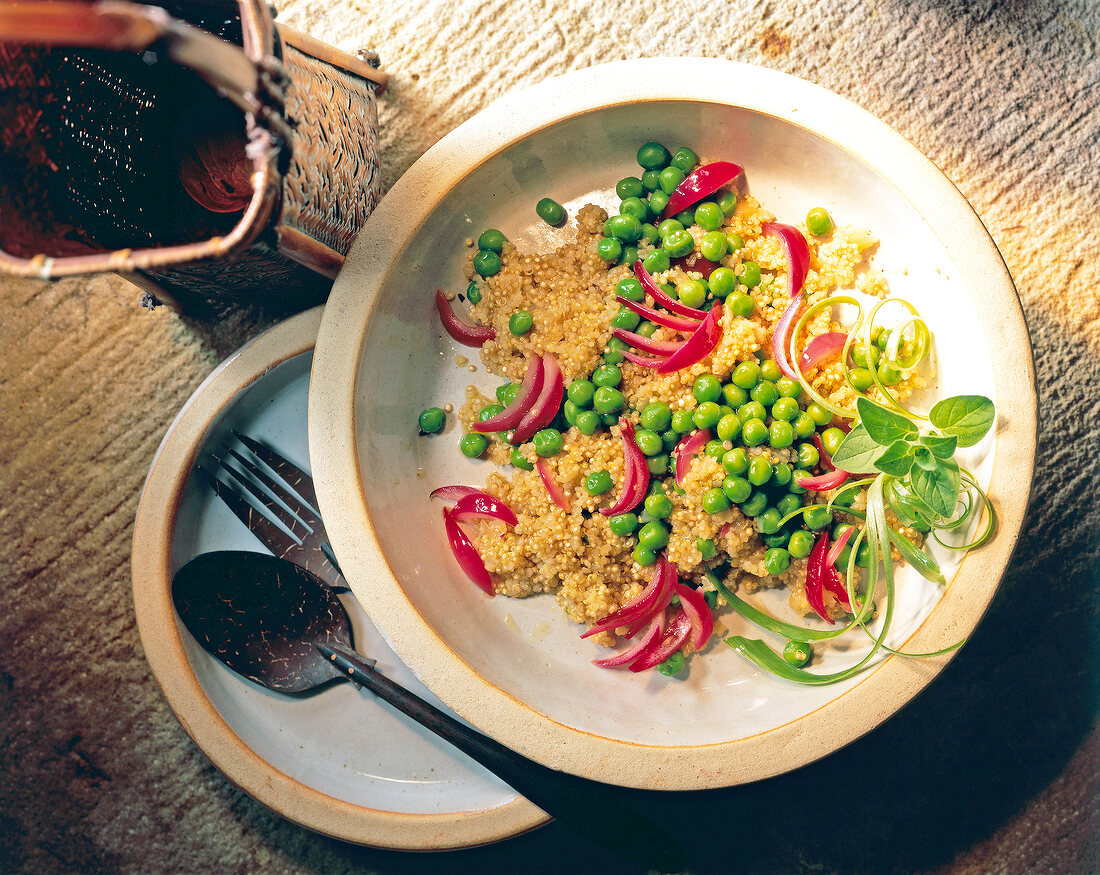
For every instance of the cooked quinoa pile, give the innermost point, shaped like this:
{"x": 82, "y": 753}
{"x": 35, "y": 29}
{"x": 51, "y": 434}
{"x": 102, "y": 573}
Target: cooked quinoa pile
{"x": 569, "y": 295}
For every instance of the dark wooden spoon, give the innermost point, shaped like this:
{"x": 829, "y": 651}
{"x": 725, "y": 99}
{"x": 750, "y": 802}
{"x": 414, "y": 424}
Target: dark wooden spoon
{"x": 278, "y": 625}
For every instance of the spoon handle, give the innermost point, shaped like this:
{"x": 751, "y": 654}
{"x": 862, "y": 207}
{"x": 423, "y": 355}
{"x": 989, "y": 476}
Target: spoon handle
{"x": 607, "y": 815}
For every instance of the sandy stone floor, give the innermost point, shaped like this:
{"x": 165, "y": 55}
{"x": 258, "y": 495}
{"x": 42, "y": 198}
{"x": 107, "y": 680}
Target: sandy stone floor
{"x": 992, "y": 769}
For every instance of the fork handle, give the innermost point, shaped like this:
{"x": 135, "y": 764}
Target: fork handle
{"x": 608, "y": 815}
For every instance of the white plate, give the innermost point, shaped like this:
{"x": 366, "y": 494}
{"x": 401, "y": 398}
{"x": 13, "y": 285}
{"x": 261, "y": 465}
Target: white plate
{"x": 339, "y": 761}
{"x": 382, "y": 357}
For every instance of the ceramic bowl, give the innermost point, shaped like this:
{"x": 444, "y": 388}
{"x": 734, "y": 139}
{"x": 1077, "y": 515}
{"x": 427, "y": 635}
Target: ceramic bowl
{"x": 517, "y": 669}
{"x": 338, "y": 761}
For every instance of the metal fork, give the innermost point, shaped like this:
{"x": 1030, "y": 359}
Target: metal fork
{"x": 291, "y": 527}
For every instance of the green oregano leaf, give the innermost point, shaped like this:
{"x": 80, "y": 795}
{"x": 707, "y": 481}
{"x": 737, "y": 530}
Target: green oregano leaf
{"x": 884, "y": 426}
{"x": 942, "y": 446}
{"x": 858, "y": 452}
{"x": 897, "y": 459}
{"x": 938, "y": 487}
{"x": 924, "y": 458}
{"x": 968, "y": 417}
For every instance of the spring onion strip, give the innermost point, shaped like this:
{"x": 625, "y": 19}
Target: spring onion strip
{"x": 922, "y": 340}
{"x": 846, "y": 412}
{"x": 771, "y": 624}
{"x": 986, "y": 510}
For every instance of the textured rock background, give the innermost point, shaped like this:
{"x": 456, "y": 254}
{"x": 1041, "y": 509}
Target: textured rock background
{"x": 993, "y": 769}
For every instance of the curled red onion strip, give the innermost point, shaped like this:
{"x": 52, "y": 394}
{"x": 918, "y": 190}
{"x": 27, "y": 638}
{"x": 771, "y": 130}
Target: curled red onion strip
{"x": 462, "y": 332}
{"x": 644, "y": 361}
{"x": 695, "y": 262}
{"x": 821, "y": 346}
{"x": 529, "y": 389}
{"x": 797, "y": 253}
{"x": 699, "y": 345}
{"x": 815, "y": 578}
{"x": 661, "y": 600}
{"x": 824, "y": 482}
{"x": 838, "y": 547}
{"x": 553, "y": 488}
{"x": 781, "y": 337}
{"x": 661, "y": 297}
{"x": 658, "y": 317}
{"x": 628, "y": 656}
{"x": 469, "y": 560}
{"x": 653, "y": 598}
{"x": 702, "y": 181}
{"x": 647, "y": 344}
{"x": 695, "y": 606}
{"x": 679, "y": 628}
{"x": 545, "y": 407}
{"x": 635, "y": 476}
{"x": 686, "y": 450}
{"x": 454, "y": 493}
{"x": 482, "y": 506}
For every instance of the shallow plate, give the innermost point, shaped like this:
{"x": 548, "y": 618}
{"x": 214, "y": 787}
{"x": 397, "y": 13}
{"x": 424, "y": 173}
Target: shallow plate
{"x": 339, "y": 762}
{"x": 517, "y": 669}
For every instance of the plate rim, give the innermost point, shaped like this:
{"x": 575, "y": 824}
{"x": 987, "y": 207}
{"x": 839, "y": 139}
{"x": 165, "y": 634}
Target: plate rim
{"x": 164, "y": 649}
{"x": 334, "y": 443}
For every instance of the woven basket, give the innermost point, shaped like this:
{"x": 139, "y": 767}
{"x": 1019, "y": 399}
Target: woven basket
{"x": 194, "y": 147}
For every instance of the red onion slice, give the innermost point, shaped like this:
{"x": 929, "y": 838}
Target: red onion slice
{"x": 462, "y": 332}
{"x": 454, "y": 493}
{"x": 695, "y": 262}
{"x": 635, "y": 475}
{"x": 482, "y": 506}
{"x": 820, "y": 347}
{"x": 641, "y": 608}
{"x": 686, "y": 450}
{"x": 699, "y": 345}
{"x": 699, "y": 183}
{"x": 628, "y": 656}
{"x": 469, "y": 560}
{"x": 797, "y": 253}
{"x": 661, "y": 297}
{"x": 838, "y": 547}
{"x": 815, "y": 578}
{"x": 647, "y": 344}
{"x": 824, "y": 482}
{"x": 676, "y": 324}
{"x": 644, "y": 361}
{"x": 679, "y": 628}
{"x": 553, "y": 488}
{"x": 781, "y": 337}
{"x": 695, "y": 606}
{"x": 529, "y": 389}
{"x": 545, "y": 407}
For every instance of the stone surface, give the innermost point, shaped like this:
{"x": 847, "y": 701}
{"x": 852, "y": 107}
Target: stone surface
{"x": 992, "y": 769}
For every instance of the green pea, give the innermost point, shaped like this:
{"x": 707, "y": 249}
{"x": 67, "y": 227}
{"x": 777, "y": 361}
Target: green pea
{"x": 819, "y": 414}
{"x": 674, "y": 664}
{"x": 754, "y": 433}
{"x": 657, "y": 465}
{"x": 819, "y": 222}
{"x": 817, "y": 517}
{"x": 657, "y": 200}
{"x": 781, "y": 473}
{"x": 597, "y": 482}
{"x": 741, "y": 305}
{"x": 644, "y": 556}
{"x": 580, "y": 392}
{"x": 548, "y": 442}
{"x": 588, "y": 422}
{"x": 776, "y": 539}
{"x": 653, "y": 156}
{"x": 746, "y": 375}
{"x": 649, "y": 232}
{"x": 721, "y": 281}
{"x": 714, "y": 246}
{"x": 651, "y": 180}
{"x": 431, "y": 420}
{"x": 519, "y": 460}
{"x": 733, "y": 395}
{"x": 678, "y": 244}
{"x": 706, "y": 548}
{"x": 765, "y": 392}
{"x": 669, "y": 226}
{"x": 785, "y": 409}
{"x": 683, "y": 421}
{"x": 797, "y": 653}
{"x": 684, "y": 159}
{"x": 795, "y": 487}
{"x": 736, "y": 242}
{"x": 629, "y": 288}
{"x": 550, "y": 211}
{"x": 707, "y": 414}
{"x": 803, "y": 425}
{"x": 861, "y": 379}
{"x": 629, "y": 186}
{"x": 777, "y": 560}
{"x": 706, "y": 387}
{"x": 607, "y": 375}
{"x": 506, "y": 393}
{"x": 736, "y": 489}
{"x": 487, "y": 262}
{"x": 489, "y": 411}
{"x": 473, "y": 444}
{"x": 788, "y": 388}
{"x": 670, "y": 438}
{"x": 636, "y": 208}
{"x": 629, "y": 256}
{"x": 623, "y": 523}
{"x": 727, "y": 202}
{"x": 888, "y": 374}
{"x": 780, "y": 434}
{"x": 749, "y": 274}
{"x": 883, "y": 339}
{"x": 865, "y": 357}
{"x": 729, "y": 426}
{"x": 613, "y": 356}
{"x": 693, "y": 293}
{"x": 609, "y": 249}
{"x": 751, "y": 410}
{"x": 658, "y": 506}
{"x": 626, "y": 319}
{"x": 656, "y": 261}
{"x": 715, "y": 449}
{"x": 768, "y": 522}
{"x": 801, "y": 544}
{"x": 491, "y": 239}
{"x": 770, "y": 371}
{"x": 646, "y": 328}
{"x": 760, "y": 471}
{"x": 788, "y": 504}
{"x": 473, "y": 293}
{"x": 609, "y": 419}
{"x": 670, "y": 179}
{"x": 625, "y": 229}
{"x": 863, "y": 557}
{"x": 520, "y": 322}
{"x": 831, "y": 439}
{"x": 709, "y": 217}
{"x": 715, "y": 501}
{"x": 754, "y": 504}
{"x": 649, "y": 442}
{"x": 608, "y": 400}
{"x": 653, "y": 535}
{"x": 808, "y": 456}
{"x": 736, "y": 461}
